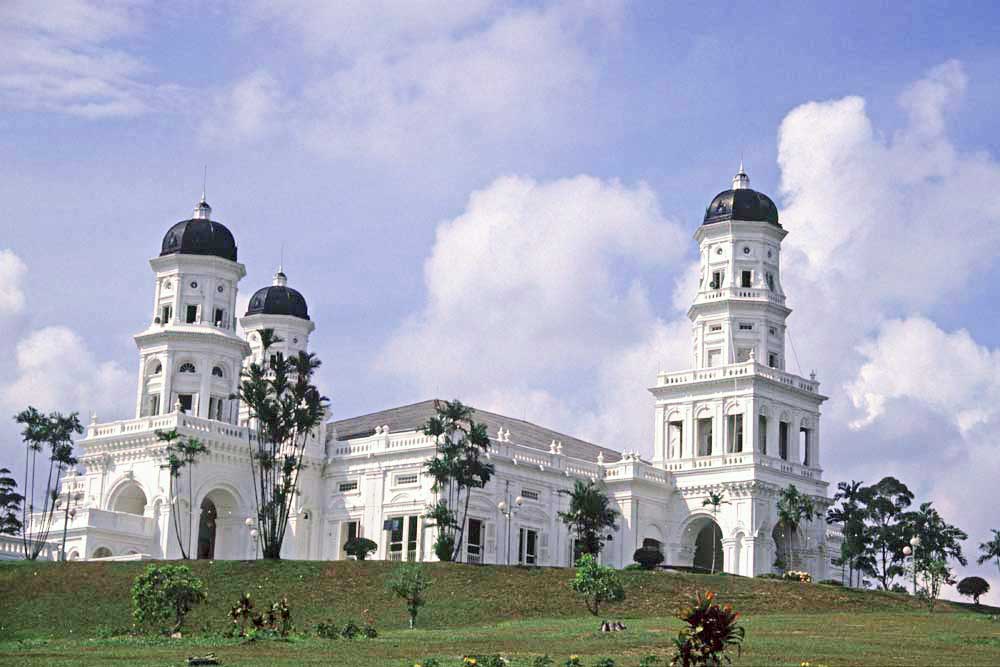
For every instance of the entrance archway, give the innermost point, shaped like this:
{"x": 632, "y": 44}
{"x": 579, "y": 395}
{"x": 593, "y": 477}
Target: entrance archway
{"x": 786, "y": 542}
{"x": 217, "y": 522}
{"x": 130, "y": 499}
{"x": 708, "y": 555}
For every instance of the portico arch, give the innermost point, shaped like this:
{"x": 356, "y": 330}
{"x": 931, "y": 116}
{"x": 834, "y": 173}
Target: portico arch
{"x": 703, "y": 540}
{"x": 218, "y": 522}
{"x": 128, "y": 498}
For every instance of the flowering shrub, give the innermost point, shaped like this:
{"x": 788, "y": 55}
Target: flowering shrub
{"x": 164, "y": 594}
{"x": 484, "y": 661}
{"x": 711, "y": 631}
{"x": 796, "y": 575}
{"x": 574, "y": 661}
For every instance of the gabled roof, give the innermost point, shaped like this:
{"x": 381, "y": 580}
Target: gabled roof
{"x": 413, "y": 417}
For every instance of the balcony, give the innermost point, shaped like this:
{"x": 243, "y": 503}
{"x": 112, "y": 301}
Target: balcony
{"x": 88, "y": 519}
{"x": 720, "y": 461}
{"x": 179, "y": 420}
{"x": 743, "y": 369}
{"x": 763, "y": 295}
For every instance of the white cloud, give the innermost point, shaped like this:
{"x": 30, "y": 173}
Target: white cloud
{"x": 905, "y": 361}
{"x": 57, "y": 58}
{"x": 526, "y": 289}
{"x": 56, "y": 371}
{"x": 12, "y": 271}
{"x": 246, "y": 111}
{"x": 428, "y": 80}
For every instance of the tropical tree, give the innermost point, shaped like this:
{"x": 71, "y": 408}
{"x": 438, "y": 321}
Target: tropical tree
{"x": 55, "y": 430}
{"x": 10, "y": 504}
{"x": 590, "y": 515}
{"x": 990, "y": 550}
{"x": 284, "y": 408}
{"x": 68, "y": 499}
{"x": 182, "y": 452}
{"x": 715, "y": 501}
{"x": 973, "y": 587}
{"x": 938, "y": 539}
{"x": 885, "y": 503}
{"x": 851, "y": 515}
{"x": 457, "y": 468}
{"x": 410, "y": 582}
{"x": 598, "y": 584}
{"x": 164, "y": 594}
{"x": 794, "y": 507}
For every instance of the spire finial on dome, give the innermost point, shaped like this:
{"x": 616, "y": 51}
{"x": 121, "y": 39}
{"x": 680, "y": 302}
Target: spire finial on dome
{"x": 280, "y": 279}
{"x": 741, "y": 181}
{"x": 203, "y": 211}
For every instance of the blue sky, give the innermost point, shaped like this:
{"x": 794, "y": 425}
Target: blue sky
{"x": 495, "y": 201}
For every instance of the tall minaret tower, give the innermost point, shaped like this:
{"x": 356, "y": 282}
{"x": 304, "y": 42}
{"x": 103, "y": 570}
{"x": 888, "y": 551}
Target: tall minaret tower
{"x": 282, "y": 309}
{"x": 190, "y": 355}
{"x": 737, "y": 422}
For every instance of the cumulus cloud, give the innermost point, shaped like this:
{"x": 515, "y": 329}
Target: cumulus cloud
{"x": 12, "y": 271}
{"x": 904, "y": 361}
{"x": 428, "y": 80}
{"x": 57, "y": 58}
{"x": 535, "y": 284}
{"x": 245, "y": 111}
{"x": 56, "y": 371}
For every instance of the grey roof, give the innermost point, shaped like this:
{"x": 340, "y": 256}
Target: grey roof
{"x": 413, "y": 417}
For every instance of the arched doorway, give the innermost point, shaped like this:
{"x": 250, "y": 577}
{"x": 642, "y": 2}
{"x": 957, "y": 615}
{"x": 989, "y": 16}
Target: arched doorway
{"x": 708, "y": 546}
{"x": 130, "y": 499}
{"x": 786, "y": 543}
{"x": 206, "y": 529}
{"x": 102, "y": 552}
{"x": 217, "y": 523}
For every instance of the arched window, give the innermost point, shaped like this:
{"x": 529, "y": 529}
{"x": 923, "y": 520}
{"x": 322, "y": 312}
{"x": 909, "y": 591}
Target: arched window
{"x": 102, "y": 552}
{"x": 217, "y": 371}
{"x": 188, "y": 367}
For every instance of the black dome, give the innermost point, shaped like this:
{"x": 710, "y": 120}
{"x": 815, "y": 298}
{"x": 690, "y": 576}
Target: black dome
{"x": 199, "y": 237}
{"x": 278, "y": 300}
{"x": 741, "y": 204}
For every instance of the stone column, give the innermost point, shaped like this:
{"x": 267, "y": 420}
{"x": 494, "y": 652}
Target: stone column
{"x": 166, "y": 405}
{"x": 205, "y": 389}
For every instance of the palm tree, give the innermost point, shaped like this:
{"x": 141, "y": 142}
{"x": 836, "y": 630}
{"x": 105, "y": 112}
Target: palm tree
{"x": 590, "y": 514}
{"x": 715, "y": 501}
{"x": 794, "y": 507}
{"x": 182, "y": 451}
{"x": 991, "y": 549}
{"x": 851, "y": 516}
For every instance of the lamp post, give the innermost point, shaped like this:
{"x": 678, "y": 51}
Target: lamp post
{"x": 248, "y": 522}
{"x": 507, "y": 510}
{"x": 914, "y": 542}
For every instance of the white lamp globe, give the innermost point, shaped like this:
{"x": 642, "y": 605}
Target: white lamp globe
{"x": 248, "y": 522}
{"x": 915, "y": 541}
{"x": 907, "y": 551}
{"x": 502, "y": 506}
{"x": 519, "y": 501}
{"x": 253, "y": 533}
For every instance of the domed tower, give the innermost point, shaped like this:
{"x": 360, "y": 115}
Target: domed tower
{"x": 190, "y": 355}
{"x": 736, "y": 422}
{"x": 739, "y": 311}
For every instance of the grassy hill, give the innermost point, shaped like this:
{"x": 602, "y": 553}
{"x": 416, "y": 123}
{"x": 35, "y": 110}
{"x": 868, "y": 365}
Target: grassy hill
{"x": 54, "y": 613}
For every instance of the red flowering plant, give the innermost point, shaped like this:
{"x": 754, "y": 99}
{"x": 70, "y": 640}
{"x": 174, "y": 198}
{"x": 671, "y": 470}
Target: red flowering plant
{"x": 711, "y": 631}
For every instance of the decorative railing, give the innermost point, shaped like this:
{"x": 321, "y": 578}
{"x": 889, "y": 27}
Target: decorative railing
{"x": 135, "y": 525}
{"x": 740, "y": 459}
{"x": 744, "y": 293}
{"x": 166, "y": 422}
{"x": 735, "y": 371}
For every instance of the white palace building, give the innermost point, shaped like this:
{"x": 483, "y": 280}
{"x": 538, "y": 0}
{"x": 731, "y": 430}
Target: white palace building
{"x": 736, "y": 422}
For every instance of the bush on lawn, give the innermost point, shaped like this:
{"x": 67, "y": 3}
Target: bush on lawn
{"x": 597, "y": 583}
{"x": 164, "y": 594}
{"x": 711, "y": 631}
{"x": 832, "y": 582}
{"x": 360, "y": 548}
{"x": 648, "y": 558}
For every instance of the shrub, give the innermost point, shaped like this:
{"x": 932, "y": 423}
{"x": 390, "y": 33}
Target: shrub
{"x": 604, "y": 662}
{"x": 711, "y": 631}
{"x": 973, "y": 587}
{"x": 543, "y": 661}
{"x": 769, "y": 575}
{"x": 797, "y": 575}
{"x": 241, "y": 615}
{"x": 350, "y": 630}
{"x": 648, "y": 558}
{"x": 327, "y": 630}
{"x": 574, "y": 661}
{"x": 484, "y": 661}
{"x": 597, "y": 583}
{"x": 409, "y": 582}
{"x": 360, "y": 547}
{"x": 165, "y": 594}
{"x": 444, "y": 545}
{"x": 899, "y": 588}
{"x": 831, "y": 582}
{"x": 427, "y": 662}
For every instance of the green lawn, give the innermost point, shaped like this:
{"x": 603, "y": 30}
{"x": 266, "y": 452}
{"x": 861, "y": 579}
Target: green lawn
{"x": 54, "y": 614}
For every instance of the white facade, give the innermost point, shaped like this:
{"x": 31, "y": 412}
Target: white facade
{"x": 736, "y": 423}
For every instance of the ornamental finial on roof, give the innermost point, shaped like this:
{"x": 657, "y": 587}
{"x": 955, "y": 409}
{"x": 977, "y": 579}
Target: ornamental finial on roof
{"x": 741, "y": 181}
